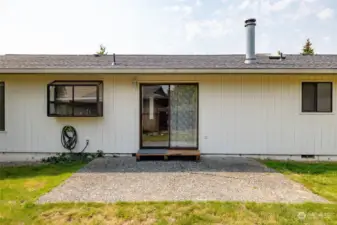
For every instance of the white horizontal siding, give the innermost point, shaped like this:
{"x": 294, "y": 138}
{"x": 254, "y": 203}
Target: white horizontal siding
{"x": 238, "y": 114}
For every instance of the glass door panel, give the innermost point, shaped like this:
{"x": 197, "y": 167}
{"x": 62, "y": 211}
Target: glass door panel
{"x": 154, "y": 116}
{"x": 183, "y": 116}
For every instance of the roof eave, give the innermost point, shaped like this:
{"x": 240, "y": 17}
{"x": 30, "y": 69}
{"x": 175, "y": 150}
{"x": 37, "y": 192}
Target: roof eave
{"x": 166, "y": 71}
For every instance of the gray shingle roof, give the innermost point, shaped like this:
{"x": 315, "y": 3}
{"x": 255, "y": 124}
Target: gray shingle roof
{"x": 164, "y": 62}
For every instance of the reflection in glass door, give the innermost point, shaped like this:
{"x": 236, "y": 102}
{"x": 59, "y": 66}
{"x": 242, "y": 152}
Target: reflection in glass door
{"x": 155, "y": 105}
{"x": 169, "y": 116}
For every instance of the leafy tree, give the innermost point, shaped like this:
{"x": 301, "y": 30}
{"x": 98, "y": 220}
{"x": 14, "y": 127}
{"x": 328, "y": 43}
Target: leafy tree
{"x": 102, "y": 50}
{"x": 307, "y": 48}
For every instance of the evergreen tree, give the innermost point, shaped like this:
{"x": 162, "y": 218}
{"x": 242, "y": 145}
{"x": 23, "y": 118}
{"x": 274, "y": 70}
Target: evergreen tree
{"x": 307, "y": 48}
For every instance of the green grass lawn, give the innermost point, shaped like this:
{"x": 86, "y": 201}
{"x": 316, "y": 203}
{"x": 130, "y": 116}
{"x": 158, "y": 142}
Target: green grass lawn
{"x": 21, "y": 186}
{"x": 320, "y": 178}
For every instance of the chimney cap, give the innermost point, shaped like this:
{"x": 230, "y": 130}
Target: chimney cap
{"x": 251, "y": 20}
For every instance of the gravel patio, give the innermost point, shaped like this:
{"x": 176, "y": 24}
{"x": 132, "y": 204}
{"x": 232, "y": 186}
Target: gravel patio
{"x": 213, "y": 178}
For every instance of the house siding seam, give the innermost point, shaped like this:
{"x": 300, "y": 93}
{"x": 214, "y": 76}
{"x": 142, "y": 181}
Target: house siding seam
{"x": 238, "y": 114}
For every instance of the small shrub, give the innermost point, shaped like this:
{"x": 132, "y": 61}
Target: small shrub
{"x": 66, "y": 157}
{"x": 99, "y": 154}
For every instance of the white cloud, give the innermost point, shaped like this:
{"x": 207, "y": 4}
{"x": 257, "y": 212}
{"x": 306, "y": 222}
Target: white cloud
{"x": 267, "y": 6}
{"x": 198, "y": 3}
{"x": 185, "y": 10}
{"x": 207, "y": 29}
{"x": 326, "y": 13}
{"x": 304, "y": 9}
{"x": 231, "y": 7}
{"x": 244, "y": 4}
{"x": 281, "y": 5}
{"x": 327, "y": 38}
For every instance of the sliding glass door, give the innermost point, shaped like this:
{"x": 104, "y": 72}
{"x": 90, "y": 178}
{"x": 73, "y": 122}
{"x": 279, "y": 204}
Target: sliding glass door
{"x": 183, "y": 116}
{"x": 154, "y": 116}
{"x": 169, "y": 116}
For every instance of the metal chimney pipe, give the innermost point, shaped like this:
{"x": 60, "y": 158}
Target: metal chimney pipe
{"x": 250, "y": 42}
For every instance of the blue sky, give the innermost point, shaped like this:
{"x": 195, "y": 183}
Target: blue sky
{"x": 165, "y": 26}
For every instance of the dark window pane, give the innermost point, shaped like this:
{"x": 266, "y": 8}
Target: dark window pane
{"x": 100, "y": 108}
{"x": 85, "y": 101}
{"x": 63, "y": 109}
{"x": 85, "y": 93}
{"x": 308, "y": 97}
{"x": 2, "y": 106}
{"x": 324, "y": 97}
{"x": 85, "y": 109}
{"x": 64, "y": 93}
{"x": 60, "y": 109}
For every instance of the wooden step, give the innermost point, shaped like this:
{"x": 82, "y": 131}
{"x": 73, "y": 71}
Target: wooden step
{"x": 166, "y": 153}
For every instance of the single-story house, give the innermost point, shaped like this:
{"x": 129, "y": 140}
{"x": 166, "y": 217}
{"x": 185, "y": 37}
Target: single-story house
{"x": 244, "y": 105}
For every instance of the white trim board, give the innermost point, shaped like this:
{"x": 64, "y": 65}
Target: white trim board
{"x": 142, "y": 71}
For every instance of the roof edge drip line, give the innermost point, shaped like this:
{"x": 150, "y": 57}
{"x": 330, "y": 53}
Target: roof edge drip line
{"x": 144, "y": 71}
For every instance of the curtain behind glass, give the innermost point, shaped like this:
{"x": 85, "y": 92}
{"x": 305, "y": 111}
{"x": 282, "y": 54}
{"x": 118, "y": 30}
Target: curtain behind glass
{"x": 183, "y": 115}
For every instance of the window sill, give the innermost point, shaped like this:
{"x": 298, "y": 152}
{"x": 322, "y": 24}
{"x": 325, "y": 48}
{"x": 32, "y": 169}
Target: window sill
{"x": 61, "y": 116}
{"x": 317, "y": 113}
{"x": 3, "y": 132}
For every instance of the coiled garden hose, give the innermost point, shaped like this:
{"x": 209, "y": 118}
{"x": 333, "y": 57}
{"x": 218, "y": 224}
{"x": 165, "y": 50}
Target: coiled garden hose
{"x": 69, "y": 137}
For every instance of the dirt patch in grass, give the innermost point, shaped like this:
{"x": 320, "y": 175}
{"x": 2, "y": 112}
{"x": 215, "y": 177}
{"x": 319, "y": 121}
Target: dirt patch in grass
{"x": 33, "y": 185}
